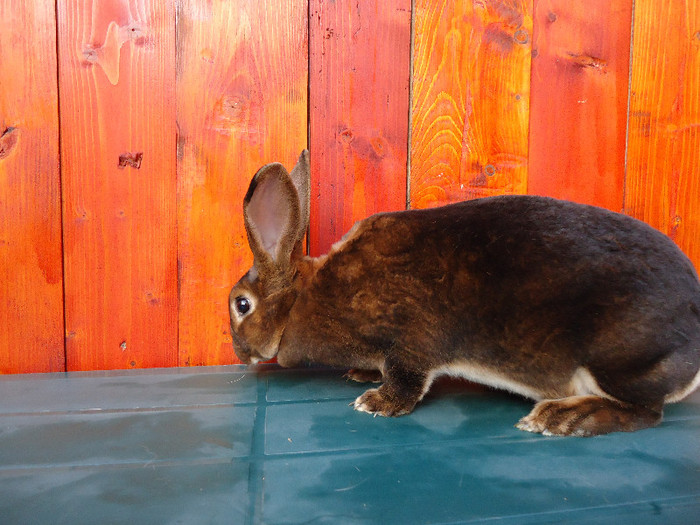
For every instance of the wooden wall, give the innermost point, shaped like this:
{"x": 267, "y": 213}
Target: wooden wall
{"x": 129, "y": 130}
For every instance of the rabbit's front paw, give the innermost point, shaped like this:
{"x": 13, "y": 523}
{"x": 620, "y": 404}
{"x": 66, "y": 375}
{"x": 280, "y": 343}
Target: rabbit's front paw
{"x": 375, "y": 402}
{"x": 364, "y": 376}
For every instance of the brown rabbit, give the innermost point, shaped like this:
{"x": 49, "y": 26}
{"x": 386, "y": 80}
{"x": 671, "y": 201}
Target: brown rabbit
{"x": 591, "y": 313}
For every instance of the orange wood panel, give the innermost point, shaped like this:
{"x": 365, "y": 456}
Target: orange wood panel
{"x": 359, "y": 89}
{"x": 118, "y": 154}
{"x": 578, "y": 104}
{"x": 471, "y": 67}
{"x": 663, "y": 170}
{"x": 31, "y": 281}
{"x": 242, "y": 102}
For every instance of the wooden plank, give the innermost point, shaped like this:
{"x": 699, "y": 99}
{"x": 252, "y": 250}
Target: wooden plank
{"x": 242, "y": 102}
{"x": 118, "y": 152}
{"x": 578, "y": 104}
{"x": 359, "y": 88}
{"x": 31, "y": 280}
{"x": 663, "y": 170}
{"x": 471, "y": 67}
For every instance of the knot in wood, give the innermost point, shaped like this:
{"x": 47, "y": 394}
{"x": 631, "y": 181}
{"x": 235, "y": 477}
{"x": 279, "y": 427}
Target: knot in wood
{"x": 8, "y": 141}
{"x": 132, "y": 160}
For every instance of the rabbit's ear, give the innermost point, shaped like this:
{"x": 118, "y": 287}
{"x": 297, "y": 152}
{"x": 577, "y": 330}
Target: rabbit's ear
{"x": 301, "y": 177}
{"x": 271, "y": 212}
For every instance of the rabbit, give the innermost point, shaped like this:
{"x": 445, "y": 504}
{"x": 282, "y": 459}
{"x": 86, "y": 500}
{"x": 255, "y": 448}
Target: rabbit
{"x": 592, "y": 314}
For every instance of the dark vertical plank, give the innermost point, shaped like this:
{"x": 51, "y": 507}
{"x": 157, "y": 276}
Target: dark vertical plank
{"x": 31, "y": 282}
{"x": 471, "y": 73}
{"x": 578, "y": 103}
{"x": 359, "y": 90}
{"x": 117, "y": 80}
{"x": 242, "y": 102}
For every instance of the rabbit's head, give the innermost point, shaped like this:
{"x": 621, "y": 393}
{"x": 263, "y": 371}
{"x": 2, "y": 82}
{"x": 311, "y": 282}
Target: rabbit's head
{"x": 276, "y": 216}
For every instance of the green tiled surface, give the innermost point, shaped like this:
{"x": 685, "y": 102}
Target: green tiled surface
{"x": 267, "y": 445}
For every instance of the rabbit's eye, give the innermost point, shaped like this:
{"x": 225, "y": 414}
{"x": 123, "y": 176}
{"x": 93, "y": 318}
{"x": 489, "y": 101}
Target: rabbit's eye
{"x": 242, "y": 305}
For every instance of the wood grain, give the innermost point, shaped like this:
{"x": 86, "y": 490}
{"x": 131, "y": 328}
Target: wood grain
{"x": 471, "y": 65}
{"x": 663, "y": 170}
{"x": 578, "y": 106}
{"x": 359, "y": 91}
{"x": 31, "y": 281}
{"x": 242, "y": 103}
{"x": 167, "y": 109}
{"x": 117, "y": 79}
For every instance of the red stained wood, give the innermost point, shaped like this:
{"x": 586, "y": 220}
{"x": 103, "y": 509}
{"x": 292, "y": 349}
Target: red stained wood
{"x": 471, "y": 70}
{"x": 117, "y": 79}
{"x": 31, "y": 282}
{"x": 165, "y": 116}
{"x": 663, "y": 171}
{"x": 358, "y": 82}
{"x": 578, "y": 104}
{"x": 242, "y": 102}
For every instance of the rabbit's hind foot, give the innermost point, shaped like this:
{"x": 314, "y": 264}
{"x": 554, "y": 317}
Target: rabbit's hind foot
{"x": 588, "y": 415}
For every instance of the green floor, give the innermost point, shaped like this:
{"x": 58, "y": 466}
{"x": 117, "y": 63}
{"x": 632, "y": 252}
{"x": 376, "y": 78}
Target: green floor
{"x": 267, "y": 445}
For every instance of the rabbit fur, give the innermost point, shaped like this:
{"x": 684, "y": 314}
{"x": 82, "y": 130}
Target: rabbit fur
{"x": 593, "y": 314}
